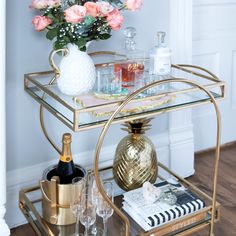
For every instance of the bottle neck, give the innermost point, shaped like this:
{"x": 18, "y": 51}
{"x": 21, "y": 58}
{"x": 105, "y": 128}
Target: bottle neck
{"x": 161, "y": 39}
{"x": 130, "y": 44}
{"x": 66, "y": 153}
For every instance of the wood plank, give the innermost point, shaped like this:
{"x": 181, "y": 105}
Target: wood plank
{"x": 24, "y": 230}
{"x": 226, "y": 186}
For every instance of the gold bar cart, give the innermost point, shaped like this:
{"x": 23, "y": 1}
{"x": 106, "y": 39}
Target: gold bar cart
{"x": 208, "y": 88}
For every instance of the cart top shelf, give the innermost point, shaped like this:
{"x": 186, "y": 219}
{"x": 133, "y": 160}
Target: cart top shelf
{"x": 91, "y": 110}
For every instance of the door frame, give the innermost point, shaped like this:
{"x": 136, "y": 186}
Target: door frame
{"x": 4, "y": 229}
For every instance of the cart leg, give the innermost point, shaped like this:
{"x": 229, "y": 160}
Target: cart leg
{"x": 211, "y": 229}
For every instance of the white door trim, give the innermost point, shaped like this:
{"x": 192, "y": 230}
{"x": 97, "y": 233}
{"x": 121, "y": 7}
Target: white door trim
{"x": 4, "y": 230}
{"x": 180, "y": 123}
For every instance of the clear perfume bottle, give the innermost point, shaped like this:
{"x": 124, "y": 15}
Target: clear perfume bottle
{"x": 135, "y": 59}
{"x": 160, "y": 57}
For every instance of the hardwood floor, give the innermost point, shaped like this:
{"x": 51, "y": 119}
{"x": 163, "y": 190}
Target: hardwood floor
{"x": 24, "y": 230}
{"x": 226, "y": 186}
{"x": 203, "y": 179}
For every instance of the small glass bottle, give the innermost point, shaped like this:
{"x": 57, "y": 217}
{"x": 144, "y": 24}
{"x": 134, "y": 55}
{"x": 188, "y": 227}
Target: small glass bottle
{"x": 160, "y": 57}
{"x": 135, "y": 59}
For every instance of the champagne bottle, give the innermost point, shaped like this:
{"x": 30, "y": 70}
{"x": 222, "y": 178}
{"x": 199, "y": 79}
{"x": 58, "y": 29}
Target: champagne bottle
{"x": 66, "y": 169}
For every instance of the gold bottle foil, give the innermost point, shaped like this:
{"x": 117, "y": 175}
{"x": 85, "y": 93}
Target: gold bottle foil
{"x": 135, "y": 162}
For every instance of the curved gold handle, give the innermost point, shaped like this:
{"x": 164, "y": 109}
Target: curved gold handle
{"x": 41, "y": 183}
{"x": 53, "y": 200}
{"x": 55, "y": 68}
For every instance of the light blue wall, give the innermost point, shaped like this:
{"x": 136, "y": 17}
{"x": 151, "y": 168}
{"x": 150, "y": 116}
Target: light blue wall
{"x": 27, "y": 51}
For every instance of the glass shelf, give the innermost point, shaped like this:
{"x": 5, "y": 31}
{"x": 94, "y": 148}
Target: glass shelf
{"x": 31, "y": 206}
{"x": 89, "y": 111}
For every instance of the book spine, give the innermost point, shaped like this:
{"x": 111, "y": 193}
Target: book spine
{"x": 174, "y": 213}
{"x": 180, "y": 225}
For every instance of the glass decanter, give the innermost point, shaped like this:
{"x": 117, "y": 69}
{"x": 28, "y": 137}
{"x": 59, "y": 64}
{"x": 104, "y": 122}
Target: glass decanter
{"x": 135, "y": 59}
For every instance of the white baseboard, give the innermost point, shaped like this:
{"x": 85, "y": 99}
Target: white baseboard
{"x": 25, "y": 177}
{"x": 4, "y": 229}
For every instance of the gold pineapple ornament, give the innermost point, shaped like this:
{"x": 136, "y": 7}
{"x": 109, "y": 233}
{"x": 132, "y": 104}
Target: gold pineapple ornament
{"x": 135, "y": 158}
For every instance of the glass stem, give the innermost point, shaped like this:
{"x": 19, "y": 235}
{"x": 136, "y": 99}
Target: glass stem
{"x": 104, "y": 226}
{"x": 77, "y": 225}
{"x": 86, "y": 231}
{"x": 94, "y": 228}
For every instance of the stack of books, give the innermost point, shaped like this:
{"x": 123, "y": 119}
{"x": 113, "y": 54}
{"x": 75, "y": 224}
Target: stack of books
{"x": 151, "y": 215}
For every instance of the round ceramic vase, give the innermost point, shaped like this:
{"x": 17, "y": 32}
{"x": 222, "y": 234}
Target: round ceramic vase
{"x": 77, "y": 72}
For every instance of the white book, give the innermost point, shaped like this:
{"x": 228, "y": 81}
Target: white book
{"x": 137, "y": 218}
{"x": 158, "y": 213}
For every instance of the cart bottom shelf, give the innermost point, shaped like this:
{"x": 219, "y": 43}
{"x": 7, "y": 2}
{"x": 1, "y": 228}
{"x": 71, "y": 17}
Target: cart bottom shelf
{"x": 31, "y": 207}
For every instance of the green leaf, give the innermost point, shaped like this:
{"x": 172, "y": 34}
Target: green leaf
{"x": 83, "y": 49}
{"x": 81, "y": 42}
{"x": 52, "y": 33}
{"x": 67, "y": 39}
{"x": 104, "y": 36}
{"x": 89, "y": 20}
{"x": 59, "y": 44}
{"x": 115, "y": 2}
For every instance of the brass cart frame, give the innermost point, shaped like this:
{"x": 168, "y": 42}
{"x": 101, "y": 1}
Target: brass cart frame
{"x": 214, "y": 214}
{"x": 26, "y": 205}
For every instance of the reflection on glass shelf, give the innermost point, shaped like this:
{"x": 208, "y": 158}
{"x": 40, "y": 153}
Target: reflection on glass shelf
{"x": 93, "y": 110}
{"x": 115, "y": 225}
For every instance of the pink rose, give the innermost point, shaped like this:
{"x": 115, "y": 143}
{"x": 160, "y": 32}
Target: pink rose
{"x": 75, "y": 14}
{"x": 92, "y": 8}
{"x": 54, "y": 3}
{"x": 39, "y": 4}
{"x": 105, "y": 8}
{"x": 133, "y": 4}
{"x": 115, "y": 19}
{"x": 41, "y": 22}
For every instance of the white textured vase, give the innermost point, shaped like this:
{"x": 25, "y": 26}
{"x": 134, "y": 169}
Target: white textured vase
{"x": 77, "y": 72}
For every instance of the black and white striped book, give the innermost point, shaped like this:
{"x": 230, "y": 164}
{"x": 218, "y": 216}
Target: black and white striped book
{"x": 159, "y": 213}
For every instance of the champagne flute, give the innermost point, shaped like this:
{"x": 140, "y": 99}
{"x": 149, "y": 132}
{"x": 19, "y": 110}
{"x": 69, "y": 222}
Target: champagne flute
{"x": 104, "y": 210}
{"x": 88, "y": 216}
{"x": 93, "y": 190}
{"x": 76, "y": 204}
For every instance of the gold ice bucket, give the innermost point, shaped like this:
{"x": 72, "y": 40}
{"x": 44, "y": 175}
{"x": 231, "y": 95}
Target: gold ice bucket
{"x": 56, "y": 197}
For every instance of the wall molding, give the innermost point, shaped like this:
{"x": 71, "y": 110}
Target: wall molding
{"x": 208, "y": 12}
{"x": 199, "y": 3}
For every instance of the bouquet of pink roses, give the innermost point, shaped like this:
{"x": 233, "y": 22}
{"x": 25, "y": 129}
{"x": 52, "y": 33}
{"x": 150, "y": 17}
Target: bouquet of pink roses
{"x": 80, "y": 21}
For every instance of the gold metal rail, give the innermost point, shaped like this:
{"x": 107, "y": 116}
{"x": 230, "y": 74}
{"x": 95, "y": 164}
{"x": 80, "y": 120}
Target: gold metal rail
{"x": 75, "y": 123}
{"x": 122, "y": 104}
{"x": 109, "y": 123}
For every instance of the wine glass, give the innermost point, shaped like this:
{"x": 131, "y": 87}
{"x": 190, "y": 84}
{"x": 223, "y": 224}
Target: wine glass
{"x": 88, "y": 216}
{"x": 104, "y": 210}
{"x": 76, "y": 204}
